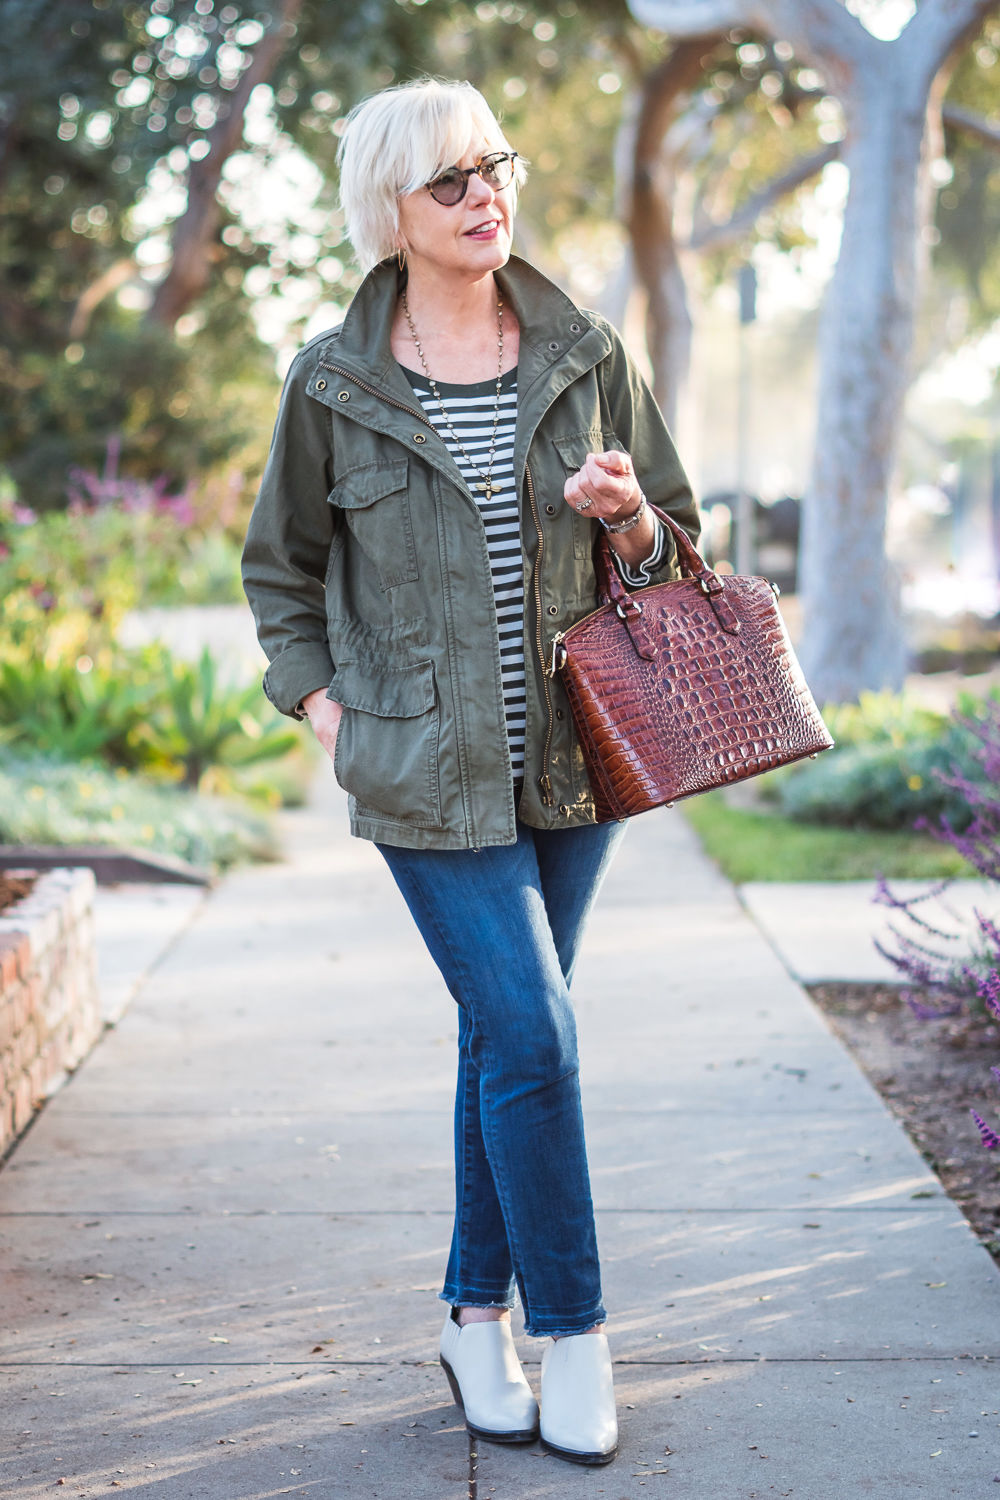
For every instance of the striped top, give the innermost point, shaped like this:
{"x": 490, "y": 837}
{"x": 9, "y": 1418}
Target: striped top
{"x": 470, "y": 410}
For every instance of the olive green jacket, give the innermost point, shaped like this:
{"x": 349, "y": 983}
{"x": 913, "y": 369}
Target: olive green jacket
{"x": 367, "y": 570}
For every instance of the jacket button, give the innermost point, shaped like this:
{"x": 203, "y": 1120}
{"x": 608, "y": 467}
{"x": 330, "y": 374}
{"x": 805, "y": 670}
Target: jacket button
{"x": 343, "y": 395}
{"x": 553, "y": 609}
{"x": 560, "y": 714}
{"x": 418, "y": 437}
{"x": 550, "y": 510}
{"x": 554, "y": 348}
{"x": 321, "y": 385}
{"x": 574, "y": 328}
{"x": 563, "y": 809}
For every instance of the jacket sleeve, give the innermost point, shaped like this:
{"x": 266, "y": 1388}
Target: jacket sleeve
{"x": 638, "y": 422}
{"x": 287, "y": 547}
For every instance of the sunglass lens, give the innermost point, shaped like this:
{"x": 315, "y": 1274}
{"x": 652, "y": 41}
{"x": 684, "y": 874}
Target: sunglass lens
{"x": 496, "y": 171}
{"x": 449, "y": 187}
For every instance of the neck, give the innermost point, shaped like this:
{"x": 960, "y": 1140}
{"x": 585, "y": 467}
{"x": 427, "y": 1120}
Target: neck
{"x": 450, "y": 305}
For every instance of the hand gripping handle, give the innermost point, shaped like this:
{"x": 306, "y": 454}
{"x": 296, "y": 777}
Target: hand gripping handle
{"x": 611, "y": 590}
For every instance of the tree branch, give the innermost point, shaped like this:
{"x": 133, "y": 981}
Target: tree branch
{"x": 194, "y": 232}
{"x": 689, "y": 17}
{"x": 938, "y": 26}
{"x": 822, "y": 30}
{"x": 972, "y": 124}
{"x": 92, "y": 296}
{"x": 711, "y": 235}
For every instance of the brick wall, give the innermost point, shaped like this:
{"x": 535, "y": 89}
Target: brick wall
{"x": 49, "y": 1011}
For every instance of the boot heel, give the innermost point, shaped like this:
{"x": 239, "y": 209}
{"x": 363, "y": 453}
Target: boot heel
{"x": 455, "y": 1388}
{"x": 497, "y": 1404}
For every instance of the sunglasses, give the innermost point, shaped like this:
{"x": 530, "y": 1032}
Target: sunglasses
{"x": 496, "y": 170}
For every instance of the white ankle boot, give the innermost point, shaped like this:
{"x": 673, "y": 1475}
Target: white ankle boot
{"x": 579, "y": 1422}
{"x": 487, "y": 1381}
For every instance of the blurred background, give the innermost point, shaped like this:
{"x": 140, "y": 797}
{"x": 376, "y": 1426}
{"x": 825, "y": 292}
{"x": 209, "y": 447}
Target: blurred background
{"x": 170, "y": 236}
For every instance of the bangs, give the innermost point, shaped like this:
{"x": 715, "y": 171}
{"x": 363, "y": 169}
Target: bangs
{"x": 444, "y": 127}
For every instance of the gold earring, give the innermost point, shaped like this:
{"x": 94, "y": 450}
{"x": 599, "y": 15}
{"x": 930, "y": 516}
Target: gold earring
{"x": 401, "y": 258}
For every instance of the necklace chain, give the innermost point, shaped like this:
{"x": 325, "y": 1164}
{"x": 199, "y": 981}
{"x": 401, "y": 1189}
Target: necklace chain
{"x": 487, "y": 486}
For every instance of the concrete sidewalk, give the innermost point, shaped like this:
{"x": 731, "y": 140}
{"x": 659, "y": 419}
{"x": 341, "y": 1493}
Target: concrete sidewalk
{"x": 224, "y": 1238}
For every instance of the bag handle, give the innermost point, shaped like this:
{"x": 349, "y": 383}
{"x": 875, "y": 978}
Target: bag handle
{"x": 611, "y": 590}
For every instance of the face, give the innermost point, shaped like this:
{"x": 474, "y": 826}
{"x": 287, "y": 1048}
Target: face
{"x": 471, "y": 238}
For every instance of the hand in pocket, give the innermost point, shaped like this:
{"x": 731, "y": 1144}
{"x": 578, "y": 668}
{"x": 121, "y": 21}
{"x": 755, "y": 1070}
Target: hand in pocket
{"x": 324, "y": 716}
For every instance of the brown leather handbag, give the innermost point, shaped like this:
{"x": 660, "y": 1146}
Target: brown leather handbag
{"x": 681, "y": 687}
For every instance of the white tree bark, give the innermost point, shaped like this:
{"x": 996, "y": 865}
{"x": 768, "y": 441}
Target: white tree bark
{"x": 891, "y": 92}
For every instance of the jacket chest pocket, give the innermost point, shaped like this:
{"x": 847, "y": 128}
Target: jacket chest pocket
{"x": 386, "y": 754}
{"x": 573, "y": 450}
{"x": 375, "y": 502}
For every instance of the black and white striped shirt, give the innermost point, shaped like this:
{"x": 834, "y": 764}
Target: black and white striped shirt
{"x": 470, "y": 411}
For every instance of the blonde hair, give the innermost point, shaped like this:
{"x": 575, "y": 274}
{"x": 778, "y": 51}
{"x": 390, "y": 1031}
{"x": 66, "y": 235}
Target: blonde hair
{"x": 395, "y": 142}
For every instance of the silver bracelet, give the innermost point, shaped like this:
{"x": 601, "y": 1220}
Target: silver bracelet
{"x": 616, "y": 528}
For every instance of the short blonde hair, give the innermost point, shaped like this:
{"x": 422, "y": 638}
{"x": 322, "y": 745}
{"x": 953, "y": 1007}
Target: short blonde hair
{"x": 395, "y": 142}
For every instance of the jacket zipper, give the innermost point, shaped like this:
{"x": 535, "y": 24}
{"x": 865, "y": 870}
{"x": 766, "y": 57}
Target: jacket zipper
{"x": 411, "y": 411}
{"x": 545, "y": 780}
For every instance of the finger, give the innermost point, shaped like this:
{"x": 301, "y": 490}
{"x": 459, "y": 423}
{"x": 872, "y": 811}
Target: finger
{"x": 606, "y": 482}
{"x": 614, "y": 462}
{"x": 573, "y": 489}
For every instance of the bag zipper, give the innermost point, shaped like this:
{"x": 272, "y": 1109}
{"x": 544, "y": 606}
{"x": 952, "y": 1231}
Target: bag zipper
{"x": 545, "y": 780}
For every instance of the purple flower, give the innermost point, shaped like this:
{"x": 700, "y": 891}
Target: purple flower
{"x": 930, "y": 1012}
{"x": 989, "y": 1137}
{"x": 989, "y": 992}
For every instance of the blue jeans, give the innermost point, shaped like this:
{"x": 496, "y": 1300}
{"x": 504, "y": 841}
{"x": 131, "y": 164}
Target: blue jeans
{"x": 503, "y": 924}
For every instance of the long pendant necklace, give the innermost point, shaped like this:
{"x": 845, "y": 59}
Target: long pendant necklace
{"x": 487, "y": 486}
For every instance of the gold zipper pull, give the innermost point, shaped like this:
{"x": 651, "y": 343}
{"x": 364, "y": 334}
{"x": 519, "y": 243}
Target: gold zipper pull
{"x": 556, "y": 659}
{"x": 545, "y": 783}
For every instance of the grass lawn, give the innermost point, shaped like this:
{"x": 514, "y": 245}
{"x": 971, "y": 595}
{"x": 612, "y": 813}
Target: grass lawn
{"x": 764, "y": 846}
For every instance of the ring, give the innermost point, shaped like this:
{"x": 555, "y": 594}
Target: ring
{"x": 585, "y": 503}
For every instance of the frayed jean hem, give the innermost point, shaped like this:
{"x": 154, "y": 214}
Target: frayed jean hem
{"x": 563, "y": 1331}
{"x": 455, "y": 1299}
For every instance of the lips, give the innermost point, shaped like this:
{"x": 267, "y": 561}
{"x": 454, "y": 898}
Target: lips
{"x": 483, "y": 231}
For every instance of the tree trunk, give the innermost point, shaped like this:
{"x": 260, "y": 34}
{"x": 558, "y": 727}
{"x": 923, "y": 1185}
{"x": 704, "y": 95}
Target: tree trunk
{"x": 852, "y": 628}
{"x": 650, "y": 221}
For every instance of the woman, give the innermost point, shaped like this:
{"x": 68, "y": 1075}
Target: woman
{"x": 441, "y": 467}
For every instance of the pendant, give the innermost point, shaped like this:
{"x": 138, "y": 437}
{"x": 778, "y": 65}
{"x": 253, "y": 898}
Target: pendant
{"x": 487, "y": 490}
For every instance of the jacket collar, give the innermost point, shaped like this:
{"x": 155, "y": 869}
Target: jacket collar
{"x": 552, "y": 328}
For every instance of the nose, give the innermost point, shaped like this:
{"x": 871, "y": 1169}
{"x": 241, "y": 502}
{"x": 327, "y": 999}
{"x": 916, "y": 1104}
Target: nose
{"x": 479, "y": 192}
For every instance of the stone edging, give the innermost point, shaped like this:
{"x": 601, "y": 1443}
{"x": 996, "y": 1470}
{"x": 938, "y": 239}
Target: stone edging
{"x": 49, "y": 1008}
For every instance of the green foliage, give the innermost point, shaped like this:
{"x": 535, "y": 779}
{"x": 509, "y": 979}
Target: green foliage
{"x": 68, "y": 578}
{"x": 76, "y": 366}
{"x": 968, "y": 207}
{"x": 141, "y": 710}
{"x": 881, "y": 773}
{"x": 47, "y": 801}
{"x": 200, "y": 723}
{"x": 72, "y": 714}
{"x": 765, "y": 846}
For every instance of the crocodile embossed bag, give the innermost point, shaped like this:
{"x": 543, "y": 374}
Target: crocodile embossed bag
{"x": 681, "y": 687}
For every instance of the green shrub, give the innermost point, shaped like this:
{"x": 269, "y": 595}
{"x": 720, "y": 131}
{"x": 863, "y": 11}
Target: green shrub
{"x": 199, "y": 722}
{"x": 67, "y": 578}
{"x": 46, "y": 801}
{"x": 882, "y": 770}
{"x": 140, "y": 709}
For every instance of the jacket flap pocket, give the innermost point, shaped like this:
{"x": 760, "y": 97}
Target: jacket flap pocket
{"x": 389, "y": 692}
{"x": 362, "y": 487}
{"x": 573, "y": 448}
